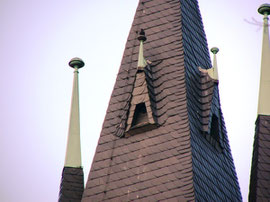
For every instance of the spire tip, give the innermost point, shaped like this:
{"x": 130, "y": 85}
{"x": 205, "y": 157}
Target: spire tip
{"x": 142, "y": 36}
{"x": 76, "y": 62}
{"x": 214, "y": 50}
{"x": 264, "y": 9}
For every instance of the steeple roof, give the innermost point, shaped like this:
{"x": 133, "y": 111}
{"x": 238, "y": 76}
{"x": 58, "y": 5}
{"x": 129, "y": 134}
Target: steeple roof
{"x": 187, "y": 155}
{"x": 260, "y": 167}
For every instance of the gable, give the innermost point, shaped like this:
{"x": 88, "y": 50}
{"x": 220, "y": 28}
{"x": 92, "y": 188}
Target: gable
{"x": 141, "y": 113}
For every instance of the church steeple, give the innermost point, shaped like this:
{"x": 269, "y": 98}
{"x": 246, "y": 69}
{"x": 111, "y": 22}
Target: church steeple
{"x": 72, "y": 183}
{"x": 260, "y": 172}
{"x": 163, "y": 137}
{"x": 264, "y": 93}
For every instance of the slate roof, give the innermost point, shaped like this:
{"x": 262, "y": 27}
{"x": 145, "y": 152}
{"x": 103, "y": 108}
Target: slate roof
{"x": 72, "y": 185}
{"x": 183, "y": 159}
{"x": 214, "y": 171}
{"x": 260, "y": 168}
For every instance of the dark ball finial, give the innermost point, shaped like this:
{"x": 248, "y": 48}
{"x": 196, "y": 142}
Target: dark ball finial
{"x": 214, "y": 50}
{"x": 264, "y": 9}
{"x": 76, "y": 62}
{"x": 142, "y": 36}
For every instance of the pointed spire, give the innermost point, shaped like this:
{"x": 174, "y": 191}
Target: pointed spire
{"x": 141, "y": 61}
{"x": 213, "y": 72}
{"x": 264, "y": 93}
{"x": 73, "y": 153}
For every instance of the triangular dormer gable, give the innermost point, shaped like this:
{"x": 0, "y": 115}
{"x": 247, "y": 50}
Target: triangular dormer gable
{"x": 209, "y": 117}
{"x": 141, "y": 115}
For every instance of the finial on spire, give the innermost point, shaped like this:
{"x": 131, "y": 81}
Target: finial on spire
{"x": 76, "y": 62}
{"x": 213, "y": 72}
{"x": 141, "y": 61}
{"x": 214, "y": 50}
{"x": 264, "y": 95}
{"x": 264, "y": 9}
{"x": 142, "y": 36}
{"x": 73, "y": 153}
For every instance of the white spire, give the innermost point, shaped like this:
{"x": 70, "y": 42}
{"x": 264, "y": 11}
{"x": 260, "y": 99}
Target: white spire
{"x": 213, "y": 72}
{"x": 73, "y": 153}
{"x": 264, "y": 93}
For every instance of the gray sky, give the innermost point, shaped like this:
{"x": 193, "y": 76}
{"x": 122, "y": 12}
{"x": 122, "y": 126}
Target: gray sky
{"x": 37, "y": 40}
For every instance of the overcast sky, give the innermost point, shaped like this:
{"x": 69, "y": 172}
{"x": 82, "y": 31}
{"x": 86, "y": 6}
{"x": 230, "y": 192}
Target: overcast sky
{"x": 37, "y": 40}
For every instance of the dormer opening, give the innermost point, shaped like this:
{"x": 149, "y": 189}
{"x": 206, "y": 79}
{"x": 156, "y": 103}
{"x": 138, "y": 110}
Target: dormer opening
{"x": 214, "y": 132}
{"x": 140, "y": 116}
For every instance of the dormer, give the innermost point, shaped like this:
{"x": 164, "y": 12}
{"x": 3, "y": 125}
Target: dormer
{"x": 140, "y": 115}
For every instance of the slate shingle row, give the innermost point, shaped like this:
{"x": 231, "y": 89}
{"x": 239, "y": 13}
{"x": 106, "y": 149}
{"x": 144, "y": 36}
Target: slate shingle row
{"x": 213, "y": 171}
{"x": 260, "y": 168}
{"x": 72, "y": 185}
